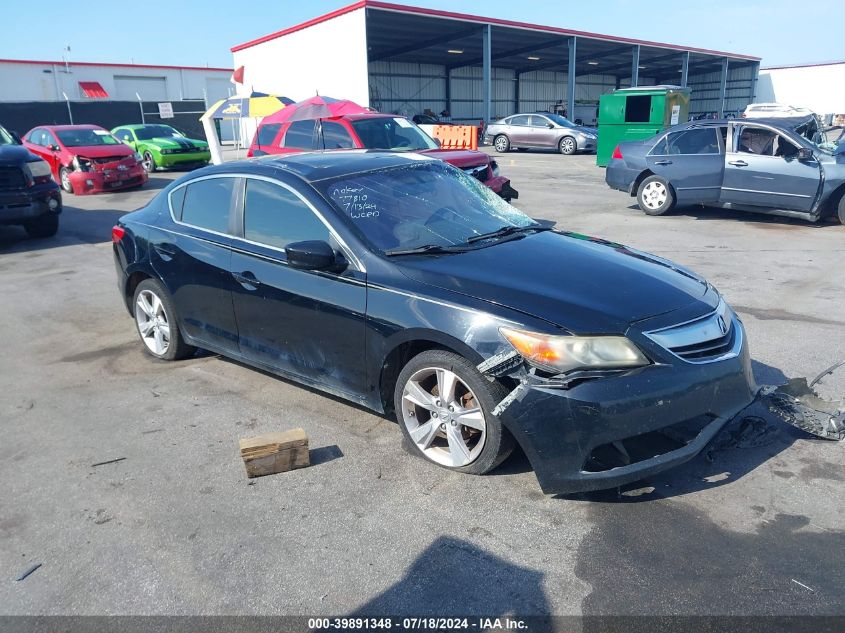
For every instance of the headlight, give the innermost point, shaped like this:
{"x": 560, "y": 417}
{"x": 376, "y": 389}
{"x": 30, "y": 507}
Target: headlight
{"x": 39, "y": 169}
{"x": 80, "y": 163}
{"x": 564, "y": 353}
{"x": 589, "y": 135}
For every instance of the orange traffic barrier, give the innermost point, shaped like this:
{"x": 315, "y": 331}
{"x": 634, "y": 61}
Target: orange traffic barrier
{"x": 457, "y": 136}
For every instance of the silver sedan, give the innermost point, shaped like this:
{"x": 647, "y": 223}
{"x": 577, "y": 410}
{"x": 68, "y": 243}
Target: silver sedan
{"x": 540, "y": 131}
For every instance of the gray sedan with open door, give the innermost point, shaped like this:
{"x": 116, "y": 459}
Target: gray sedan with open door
{"x": 754, "y": 165}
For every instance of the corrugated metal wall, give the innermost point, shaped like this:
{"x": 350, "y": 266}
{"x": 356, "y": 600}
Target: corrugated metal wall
{"x": 409, "y": 88}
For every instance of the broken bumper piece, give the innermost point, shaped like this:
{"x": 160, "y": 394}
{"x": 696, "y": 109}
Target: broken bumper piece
{"x": 798, "y": 404}
{"x": 597, "y": 430}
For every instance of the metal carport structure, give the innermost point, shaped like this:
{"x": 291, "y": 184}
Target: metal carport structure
{"x": 481, "y": 68}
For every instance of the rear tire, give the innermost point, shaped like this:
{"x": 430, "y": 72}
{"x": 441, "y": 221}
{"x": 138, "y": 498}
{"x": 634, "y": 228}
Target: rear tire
{"x": 43, "y": 226}
{"x": 502, "y": 144}
{"x": 458, "y": 432}
{"x": 655, "y": 196}
{"x": 155, "y": 320}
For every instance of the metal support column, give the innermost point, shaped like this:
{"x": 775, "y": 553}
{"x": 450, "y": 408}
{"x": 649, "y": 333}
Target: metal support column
{"x": 516, "y": 92}
{"x": 570, "y": 78}
{"x": 635, "y": 66}
{"x": 449, "y": 92}
{"x": 486, "y": 75}
{"x": 755, "y": 73}
{"x": 685, "y": 69}
{"x": 723, "y": 85}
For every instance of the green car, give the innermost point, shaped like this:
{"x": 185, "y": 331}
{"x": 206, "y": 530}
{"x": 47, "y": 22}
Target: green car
{"x": 163, "y": 146}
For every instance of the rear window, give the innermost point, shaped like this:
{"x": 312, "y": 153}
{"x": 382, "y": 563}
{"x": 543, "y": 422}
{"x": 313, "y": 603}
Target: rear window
{"x": 300, "y": 135}
{"x": 267, "y": 134}
{"x": 206, "y": 204}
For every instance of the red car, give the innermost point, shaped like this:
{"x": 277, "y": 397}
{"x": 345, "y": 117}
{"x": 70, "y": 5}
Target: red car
{"x": 373, "y": 130}
{"x": 86, "y": 158}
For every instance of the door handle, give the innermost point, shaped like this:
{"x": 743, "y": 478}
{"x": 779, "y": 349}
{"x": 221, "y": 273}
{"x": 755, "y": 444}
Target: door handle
{"x": 663, "y": 162}
{"x": 738, "y": 163}
{"x": 247, "y": 279}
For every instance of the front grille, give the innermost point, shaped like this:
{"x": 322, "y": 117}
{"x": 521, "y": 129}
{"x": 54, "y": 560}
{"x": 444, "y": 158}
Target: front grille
{"x": 12, "y": 179}
{"x": 708, "y": 338}
{"x": 706, "y": 349}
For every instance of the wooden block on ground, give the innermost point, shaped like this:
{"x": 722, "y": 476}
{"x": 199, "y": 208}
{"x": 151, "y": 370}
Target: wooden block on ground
{"x": 275, "y": 452}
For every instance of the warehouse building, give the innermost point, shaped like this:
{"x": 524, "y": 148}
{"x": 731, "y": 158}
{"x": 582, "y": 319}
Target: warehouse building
{"x": 410, "y": 59}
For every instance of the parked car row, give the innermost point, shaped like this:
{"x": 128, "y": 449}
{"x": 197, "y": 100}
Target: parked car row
{"x": 760, "y": 165}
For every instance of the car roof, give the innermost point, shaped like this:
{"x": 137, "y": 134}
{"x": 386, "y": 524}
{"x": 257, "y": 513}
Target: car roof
{"x": 323, "y": 165}
{"x": 138, "y": 126}
{"x": 81, "y": 126}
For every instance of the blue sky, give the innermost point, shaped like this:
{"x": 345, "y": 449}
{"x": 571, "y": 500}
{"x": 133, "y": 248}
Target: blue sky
{"x": 200, "y": 33}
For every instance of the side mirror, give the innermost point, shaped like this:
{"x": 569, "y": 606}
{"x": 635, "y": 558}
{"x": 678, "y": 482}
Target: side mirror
{"x": 551, "y": 126}
{"x": 437, "y": 142}
{"x": 311, "y": 255}
{"x": 805, "y": 154}
{"x": 54, "y": 147}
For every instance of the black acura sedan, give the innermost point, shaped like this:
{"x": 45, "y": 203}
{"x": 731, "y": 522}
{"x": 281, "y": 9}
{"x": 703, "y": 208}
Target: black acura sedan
{"x": 402, "y": 284}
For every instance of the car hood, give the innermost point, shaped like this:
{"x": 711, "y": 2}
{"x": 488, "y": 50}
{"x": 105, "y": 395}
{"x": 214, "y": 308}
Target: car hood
{"x": 101, "y": 151}
{"x": 458, "y": 157}
{"x": 16, "y": 154}
{"x": 584, "y": 128}
{"x": 173, "y": 142}
{"x": 582, "y": 284}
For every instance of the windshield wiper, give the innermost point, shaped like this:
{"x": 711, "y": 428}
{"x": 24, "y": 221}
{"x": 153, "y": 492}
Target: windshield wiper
{"x": 507, "y": 230}
{"x": 425, "y": 248}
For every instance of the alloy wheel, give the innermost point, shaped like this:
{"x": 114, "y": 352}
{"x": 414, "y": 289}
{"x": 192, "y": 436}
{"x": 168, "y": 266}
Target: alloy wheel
{"x": 152, "y": 321}
{"x": 501, "y": 144}
{"x": 443, "y": 417}
{"x": 567, "y": 145}
{"x": 654, "y": 195}
{"x": 64, "y": 176}
{"x": 148, "y": 162}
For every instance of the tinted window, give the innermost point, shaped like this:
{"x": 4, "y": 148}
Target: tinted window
{"x": 267, "y": 134}
{"x": 300, "y": 135}
{"x": 48, "y": 138}
{"x": 275, "y": 216}
{"x": 125, "y": 136}
{"x": 207, "y": 202}
{"x": 36, "y": 137}
{"x": 522, "y": 119}
{"x": 335, "y": 136}
{"x": 697, "y": 141}
{"x": 638, "y": 109}
{"x": 177, "y": 198}
{"x": 539, "y": 121}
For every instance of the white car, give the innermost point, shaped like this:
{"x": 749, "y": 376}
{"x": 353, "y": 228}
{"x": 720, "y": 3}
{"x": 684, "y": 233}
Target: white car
{"x": 773, "y": 110}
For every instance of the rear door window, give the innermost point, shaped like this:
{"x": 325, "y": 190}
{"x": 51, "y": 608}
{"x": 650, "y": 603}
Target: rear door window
{"x": 275, "y": 216}
{"x": 207, "y": 204}
{"x": 335, "y": 136}
{"x": 300, "y": 135}
{"x": 267, "y": 134}
{"x": 694, "y": 141}
{"x": 521, "y": 119}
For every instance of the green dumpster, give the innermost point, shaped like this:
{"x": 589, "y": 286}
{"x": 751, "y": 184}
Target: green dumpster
{"x": 630, "y": 114}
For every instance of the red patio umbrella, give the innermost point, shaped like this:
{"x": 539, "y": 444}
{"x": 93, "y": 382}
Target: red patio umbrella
{"x": 315, "y": 108}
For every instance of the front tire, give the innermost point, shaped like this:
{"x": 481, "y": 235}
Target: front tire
{"x": 655, "y": 196}
{"x": 155, "y": 320}
{"x": 64, "y": 179}
{"x": 842, "y": 209}
{"x": 443, "y": 405}
{"x": 43, "y": 226}
{"x": 567, "y": 146}
{"x": 502, "y": 144}
{"x": 148, "y": 162}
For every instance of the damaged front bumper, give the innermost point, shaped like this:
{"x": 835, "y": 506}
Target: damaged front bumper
{"x": 596, "y": 430}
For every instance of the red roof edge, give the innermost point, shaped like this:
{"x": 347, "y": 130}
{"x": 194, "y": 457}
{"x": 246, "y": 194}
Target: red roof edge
{"x": 304, "y": 25}
{"x": 401, "y": 8}
{"x": 109, "y": 65}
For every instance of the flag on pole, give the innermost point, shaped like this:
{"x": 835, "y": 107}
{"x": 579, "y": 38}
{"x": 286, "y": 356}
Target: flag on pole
{"x": 238, "y": 76}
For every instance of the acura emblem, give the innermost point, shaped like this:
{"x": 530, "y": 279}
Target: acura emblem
{"x": 723, "y": 327}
